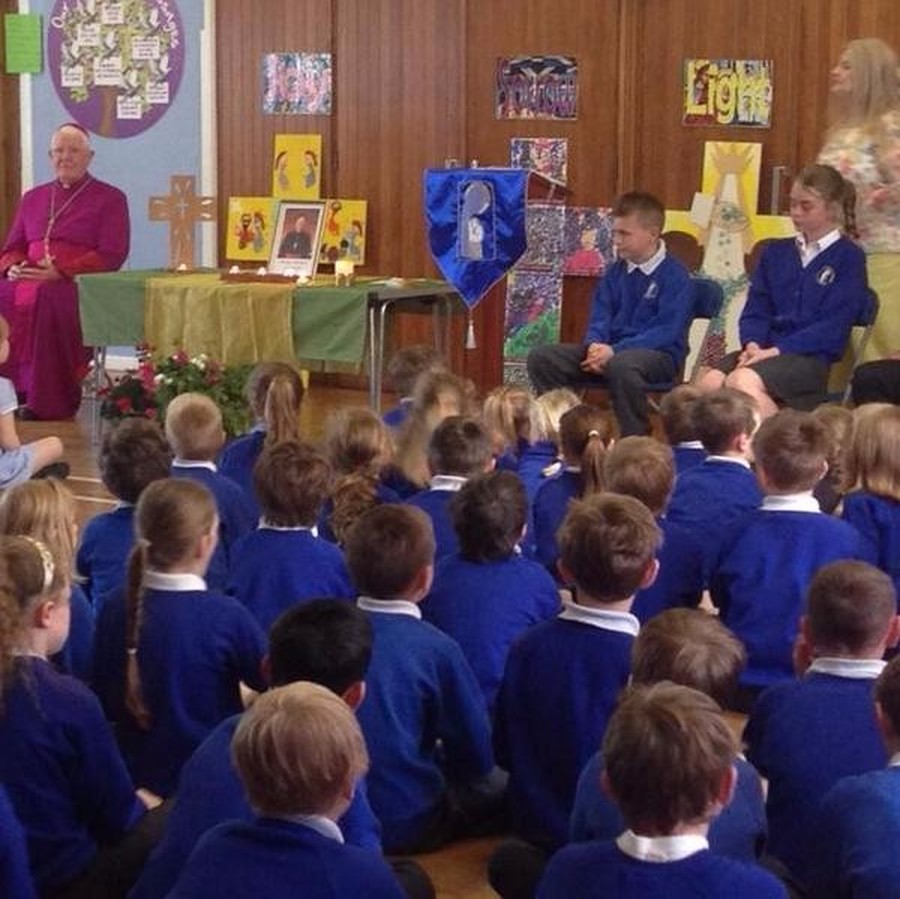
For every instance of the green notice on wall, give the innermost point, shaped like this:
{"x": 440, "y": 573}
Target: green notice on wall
{"x": 22, "y": 43}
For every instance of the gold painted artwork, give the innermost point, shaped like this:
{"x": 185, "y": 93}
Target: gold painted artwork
{"x": 297, "y": 166}
{"x": 344, "y": 233}
{"x": 251, "y": 223}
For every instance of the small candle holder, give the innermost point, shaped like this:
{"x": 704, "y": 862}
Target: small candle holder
{"x": 343, "y": 273}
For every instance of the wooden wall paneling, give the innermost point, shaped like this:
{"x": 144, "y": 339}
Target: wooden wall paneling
{"x": 10, "y": 182}
{"x": 245, "y": 31}
{"x": 588, "y": 31}
{"x": 668, "y": 155}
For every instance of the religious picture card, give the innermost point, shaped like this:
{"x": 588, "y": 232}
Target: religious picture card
{"x": 533, "y": 301}
{"x": 544, "y": 225}
{"x": 536, "y": 87}
{"x": 547, "y": 156}
{"x": 588, "y": 246}
{"x": 297, "y": 166}
{"x": 344, "y": 235}
{"x": 298, "y": 233}
{"x": 251, "y": 221}
{"x": 297, "y": 83}
{"x": 728, "y": 92}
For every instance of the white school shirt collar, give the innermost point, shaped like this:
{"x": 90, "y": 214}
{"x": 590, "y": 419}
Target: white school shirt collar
{"x": 689, "y": 444}
{"x": 856, "y": 669}
{"x": 661, "y": 849}
{"x": 320, "y": 824}
{"x": 605, "y": 619}
{"x": 649, "y": 266}
{"x": 452, "y": 483}
{"x": 809, "y": 251}
{"x": 791, "y": 502}
{"x": 268, "y": 526}
{"x": 389, "y": 606}
{"x": 194, "y": 463}
{"x": 895, "y": 760}
{"x": 713, "y": 457}
{"x": 121, "y": 504}
{"x": 178, "y": 582}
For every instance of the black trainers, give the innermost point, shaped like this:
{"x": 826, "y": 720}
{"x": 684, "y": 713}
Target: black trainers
{"x": 58, "y": 470}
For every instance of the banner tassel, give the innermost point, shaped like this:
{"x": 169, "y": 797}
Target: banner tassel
{"x": 470, "y": 335}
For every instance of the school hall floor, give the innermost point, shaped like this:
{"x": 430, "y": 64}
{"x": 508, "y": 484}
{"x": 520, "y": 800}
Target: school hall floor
{"x": 459, "y": 870}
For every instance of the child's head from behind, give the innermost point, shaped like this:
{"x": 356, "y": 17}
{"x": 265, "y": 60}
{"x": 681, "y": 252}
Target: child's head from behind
{"x": 275, "y": 393}
{"x": 851, "y": 610}
{"x": 299, "y": 751}
{"x": 887, "y": 702}
{"x": 838, "y": 421}
{"x": 643, "y": 468}
{"x": 291, "y": 480}
{"x": 326, "y": 641}
{"x": 459, "y": 446}
{"x": 676, "y": 413}
{"x": 194, "y": 427}
{"x": 438, "y": 394}
{"x": 608, "y": 545}
{"x": 408, "y": 363}
{"x": 507, "y": 414}
{"x": 668, "y": 754}
{"x": 791, "y": 450}
{"x": 691, "y": 648}
{"x": 133, "y": 454}
{"x": 489, "y": 515}
{"x": 390, "y": 552}
{"x": 357, "y": 440}
{"x": 549, "y": 409}
{"x": 638, "y": 223}
{"x": 725, "y": 420}
{"x": 873, "y": 461}
{"x": 584, "y": 435}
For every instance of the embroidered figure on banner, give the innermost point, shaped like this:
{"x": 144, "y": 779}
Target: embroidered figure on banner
{"x": 477, "y": 231}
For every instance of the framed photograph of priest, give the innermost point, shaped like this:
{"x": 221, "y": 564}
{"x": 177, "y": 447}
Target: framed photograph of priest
{"x": 298, "y": 234}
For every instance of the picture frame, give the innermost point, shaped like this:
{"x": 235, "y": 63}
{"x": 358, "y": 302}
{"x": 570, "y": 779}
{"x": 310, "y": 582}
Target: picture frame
{"x": 298, "y": 235}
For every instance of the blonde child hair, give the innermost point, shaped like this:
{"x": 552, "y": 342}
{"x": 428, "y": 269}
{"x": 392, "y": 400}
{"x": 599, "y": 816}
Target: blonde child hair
{"x": 359, "y": 446}
{"x": 585, "y": 434}
{"x": 437, "y": 395}
{"x": 275, "y": 394}
{"x": 172, "y": 517}
{"x": 549, "y": 408}
{"x": 873, "y": 462}
{"x": 508, "y": 413}
{"x": 299, "y": 751}
{"x": 194, "y": 427}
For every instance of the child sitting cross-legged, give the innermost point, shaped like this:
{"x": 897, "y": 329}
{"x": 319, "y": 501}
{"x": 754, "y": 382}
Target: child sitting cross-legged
{"x": 295, "y": 839}
{"x": 806, "y": 734}
{"x": 485, "y": 595}
{"x": 669, "y": 766}
{"x": 284, "y": 561}
{"x": 425, "y": 718}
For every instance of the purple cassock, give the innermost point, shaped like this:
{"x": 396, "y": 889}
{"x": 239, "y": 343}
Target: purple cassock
{"x": 82, "y": 228}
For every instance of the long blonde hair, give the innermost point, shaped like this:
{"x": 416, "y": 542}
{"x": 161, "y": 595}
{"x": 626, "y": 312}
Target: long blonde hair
{"x": 874, "y": 88}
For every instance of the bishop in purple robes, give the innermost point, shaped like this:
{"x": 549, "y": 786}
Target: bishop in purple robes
{"x": 72, "y": 225}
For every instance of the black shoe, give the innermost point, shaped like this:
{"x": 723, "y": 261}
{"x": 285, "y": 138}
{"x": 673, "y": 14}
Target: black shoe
{"x": 23, "y": 413}
{"x": 58, "y": 470}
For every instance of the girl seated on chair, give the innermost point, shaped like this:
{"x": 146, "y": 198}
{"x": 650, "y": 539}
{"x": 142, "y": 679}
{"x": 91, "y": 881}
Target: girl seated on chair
{"x": 803, "y": 299}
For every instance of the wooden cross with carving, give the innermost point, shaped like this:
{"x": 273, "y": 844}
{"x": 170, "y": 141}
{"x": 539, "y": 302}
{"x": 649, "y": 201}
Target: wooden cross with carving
{"x": 182, "y": 209}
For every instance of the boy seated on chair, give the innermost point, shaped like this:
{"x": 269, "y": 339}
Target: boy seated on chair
{"x": 637, "y": 334}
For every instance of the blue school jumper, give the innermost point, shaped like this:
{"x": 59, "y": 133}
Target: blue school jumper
{"x": 738, "y": 832}
{"x": 435, "y": 501}
{"x": 77, "y": 654}
{"x": 236, "y": 516}
{"x": 273, "y": 568}
{"x": 679, "y": 583}
{"x": 877, "y": 518}
{"x": 632, "y": 310}
{"x": 806, "y": 311}
{"x": 210, "y": 792}
{"x": 687, "y": 455}
{"x": 236, "y": 462}
{"x": 383, "y": 494}
{"x": 102, "y": 558}
{"x": 710, "y": 497}
{"x": 15, "y": 878}
{"x": 420, "y": 692}
{"x": 560, "y": 687}
{"x": 856, "y": 838}
{"x": 604, "y": 871}
{"x": 763, "y": 571}
{"x": 550, "y": 506}
{"x": 280, "y": 859}
{"x": 63, "y": 773}
{"x": 484, "y": 606}
{"x": 194, "y": 649}
{"x": 804, "y": 736}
